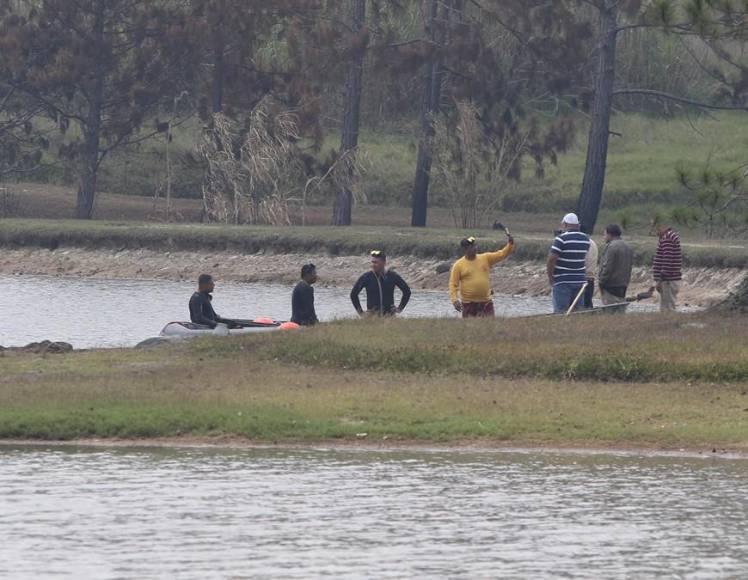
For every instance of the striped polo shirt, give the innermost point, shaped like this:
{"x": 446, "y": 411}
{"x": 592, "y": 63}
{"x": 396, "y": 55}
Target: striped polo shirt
{"x": 571, "y": 249}
{"x": 668, "y": 260}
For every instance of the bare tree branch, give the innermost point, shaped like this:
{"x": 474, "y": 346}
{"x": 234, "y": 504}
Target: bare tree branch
{"x": 677, "y": 99}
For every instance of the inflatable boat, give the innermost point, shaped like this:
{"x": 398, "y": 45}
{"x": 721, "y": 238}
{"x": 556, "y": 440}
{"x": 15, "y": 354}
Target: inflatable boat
{"x": 240, "y": 327}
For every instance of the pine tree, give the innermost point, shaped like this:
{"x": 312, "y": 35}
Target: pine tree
{"x": 356, "y": 52}
{"x": 244, "y": 50}
{"x": 254, "y": 60}
{"x": 711, "y": 21}
{"x": 496, "y": 56}
{"x": 435, "y": 28}
{"x": 100, "y": 65}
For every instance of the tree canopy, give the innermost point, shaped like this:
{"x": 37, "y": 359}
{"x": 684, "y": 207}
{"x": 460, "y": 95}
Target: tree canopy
{"x": 523, "y": 74}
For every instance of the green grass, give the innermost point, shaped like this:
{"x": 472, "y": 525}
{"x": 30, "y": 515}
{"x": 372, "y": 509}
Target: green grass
{"x": 430, "y": 381}
{"x": 614, "y": 348}
{"x": 643, "y": 162}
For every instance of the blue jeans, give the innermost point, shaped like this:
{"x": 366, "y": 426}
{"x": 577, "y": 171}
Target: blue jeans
{"x": 564, "y": 295}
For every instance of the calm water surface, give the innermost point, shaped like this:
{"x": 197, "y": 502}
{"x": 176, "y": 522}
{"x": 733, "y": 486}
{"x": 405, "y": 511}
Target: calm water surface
{"x": 67, "y": 512}
{"x": 106, "y": 313}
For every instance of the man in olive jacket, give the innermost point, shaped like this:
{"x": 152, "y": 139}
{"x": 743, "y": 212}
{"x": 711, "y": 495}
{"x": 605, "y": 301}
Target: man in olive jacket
{"x": 615, "y": 267}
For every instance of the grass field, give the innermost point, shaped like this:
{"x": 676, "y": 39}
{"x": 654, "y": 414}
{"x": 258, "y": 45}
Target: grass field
{"x": 628, "y": 381}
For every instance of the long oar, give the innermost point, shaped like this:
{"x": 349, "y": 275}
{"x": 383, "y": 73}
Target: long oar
{"x": 577, "y": 299}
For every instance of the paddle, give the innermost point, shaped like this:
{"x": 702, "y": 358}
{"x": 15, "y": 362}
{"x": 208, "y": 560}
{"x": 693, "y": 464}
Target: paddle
{"x": 577, "y": 299}
{"x": 500, "y": 226}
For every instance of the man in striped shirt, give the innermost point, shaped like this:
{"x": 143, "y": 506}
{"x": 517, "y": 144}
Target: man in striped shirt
{"x": 668, "y": 263}
{"x": 567, "y": 263}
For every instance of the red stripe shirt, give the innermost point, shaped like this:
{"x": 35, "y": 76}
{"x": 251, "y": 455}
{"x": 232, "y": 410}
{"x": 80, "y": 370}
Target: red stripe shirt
{"x": 668, "y": 260}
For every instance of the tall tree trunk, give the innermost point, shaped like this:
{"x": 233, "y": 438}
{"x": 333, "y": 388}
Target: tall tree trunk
{"x": 432, "y": 84}
{"x": 87, "y": 184}
{"x": 218, "y": 75}
{"x": 92, "y": 132}
{"x": 597, "y": 146}
{"x": 342, "y": 209}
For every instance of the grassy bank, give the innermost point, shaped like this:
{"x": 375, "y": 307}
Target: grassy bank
{"x": 613, "y": 348}
{"x": 430, "y": 381}
{"x": 426, "y": 243}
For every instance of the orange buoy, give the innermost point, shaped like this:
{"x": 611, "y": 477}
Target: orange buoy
{"x": 289, "y": 326}
{"x": 264, "y": 320}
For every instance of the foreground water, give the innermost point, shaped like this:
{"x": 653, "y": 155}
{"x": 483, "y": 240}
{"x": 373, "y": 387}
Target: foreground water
{"x": 273, "y": 513}
{"x": 105, "y": 313}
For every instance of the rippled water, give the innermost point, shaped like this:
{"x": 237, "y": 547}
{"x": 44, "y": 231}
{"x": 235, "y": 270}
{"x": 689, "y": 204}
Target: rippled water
{"x": 103, "y": 313}
{"x": 299, "y": 514}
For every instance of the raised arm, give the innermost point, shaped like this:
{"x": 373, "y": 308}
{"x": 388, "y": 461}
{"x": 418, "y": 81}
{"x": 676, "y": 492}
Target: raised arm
{"x": 502, "y": 254}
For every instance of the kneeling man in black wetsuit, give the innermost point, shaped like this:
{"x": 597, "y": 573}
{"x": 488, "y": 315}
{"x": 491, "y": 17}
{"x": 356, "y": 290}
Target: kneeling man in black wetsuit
{"x": 201, "y": 309}
{"x": 380, "y": 285}
{"x": 302, "y": 299}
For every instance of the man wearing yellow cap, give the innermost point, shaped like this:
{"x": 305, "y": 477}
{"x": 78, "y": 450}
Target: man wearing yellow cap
{"x": 470, "y": 278}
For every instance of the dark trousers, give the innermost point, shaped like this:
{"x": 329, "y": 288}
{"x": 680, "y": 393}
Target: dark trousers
{"x": 589, "y": 293}
{"x": 477, "y": 309}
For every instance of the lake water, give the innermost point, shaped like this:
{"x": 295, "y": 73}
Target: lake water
{"x": 91, "y": 313}
{"x": 107, "y": 313}
{"x": 201, "y": 513}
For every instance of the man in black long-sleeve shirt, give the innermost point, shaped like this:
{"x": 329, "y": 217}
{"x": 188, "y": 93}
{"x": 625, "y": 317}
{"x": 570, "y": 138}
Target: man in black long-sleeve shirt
{"x": 380, "y": 285}
{"x": 302, "y": 300}
{"x": 201, "y": 309}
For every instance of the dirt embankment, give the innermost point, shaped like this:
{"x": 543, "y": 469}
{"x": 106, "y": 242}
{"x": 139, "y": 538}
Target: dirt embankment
{"x": 702, "y": 286}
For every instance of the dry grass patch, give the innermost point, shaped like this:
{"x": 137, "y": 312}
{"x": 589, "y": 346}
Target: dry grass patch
{"x": 231, "y": 392}
{"x": 635, "y": 348}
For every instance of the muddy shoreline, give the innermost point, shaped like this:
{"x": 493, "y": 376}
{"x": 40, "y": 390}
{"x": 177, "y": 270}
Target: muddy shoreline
{"x": 702, "y": 287}
{"x": 386, "y": 445}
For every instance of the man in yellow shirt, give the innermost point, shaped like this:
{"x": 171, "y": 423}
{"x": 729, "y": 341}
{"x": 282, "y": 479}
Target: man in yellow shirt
{"x": 470, "y": 277}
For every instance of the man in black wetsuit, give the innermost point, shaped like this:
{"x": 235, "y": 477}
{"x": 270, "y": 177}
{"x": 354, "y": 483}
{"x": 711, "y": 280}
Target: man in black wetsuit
{"x": 201, "y": 309}
{"x": 302, "y": 300}
{"x": 380, "y": 285}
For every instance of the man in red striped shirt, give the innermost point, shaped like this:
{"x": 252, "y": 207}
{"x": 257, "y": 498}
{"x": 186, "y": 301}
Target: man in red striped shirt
{"x": 668, "y": 263}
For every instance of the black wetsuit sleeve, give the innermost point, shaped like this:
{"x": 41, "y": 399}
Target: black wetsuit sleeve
{"x": 312, "y": 311}
{"x": 405, "y": 289}
{"x": 197, "y": 314}
{"x": 358, "y": 286}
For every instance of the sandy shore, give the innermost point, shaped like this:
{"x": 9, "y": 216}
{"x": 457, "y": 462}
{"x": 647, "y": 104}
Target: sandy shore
{"x": 386, "y": 445}
{"x": 702, "y": 286}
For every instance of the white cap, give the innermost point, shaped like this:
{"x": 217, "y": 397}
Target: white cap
{"x": 571, "y": 219}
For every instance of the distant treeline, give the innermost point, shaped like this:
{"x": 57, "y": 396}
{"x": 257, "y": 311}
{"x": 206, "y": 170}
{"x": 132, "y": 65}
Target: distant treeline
{"x": 492, "y": 89}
